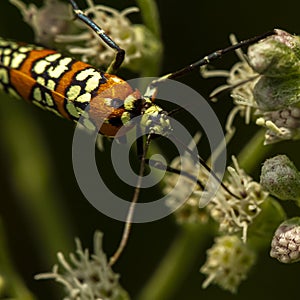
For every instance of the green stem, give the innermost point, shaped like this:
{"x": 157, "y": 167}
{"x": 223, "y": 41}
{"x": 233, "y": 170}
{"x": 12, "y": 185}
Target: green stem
{"x": 13, "y": 284}
{"x": 150, "y": 16}
{"x": 177, "y": 263}
{"x": 151, "y": 30}
{"x": 29, "y": 168}
{"x": 254, "y": 152}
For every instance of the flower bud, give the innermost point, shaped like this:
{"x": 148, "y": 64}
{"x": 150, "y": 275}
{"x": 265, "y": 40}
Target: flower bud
{"x": 280, "y": 177}
{"x": 286, "y": 241}
{"x": 276, "y": 56}
{"x": 48, "y": 21}
{"x": 273, "y": 93}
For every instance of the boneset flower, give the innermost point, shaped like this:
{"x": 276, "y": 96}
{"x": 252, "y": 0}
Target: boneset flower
{"x": 54, "y": 24}
{"x": 228, "y": 263}
{"x": 233, "y": 214}
{"x": 189, "y": 212}
{"x": 236, "y": 215}
{"x": 286, "y": 241}
{"x": 87, "y": 277}
{"x": 276, "y": 56}
{"x": 266, "y": 84}
{"x": 241, "y": 80}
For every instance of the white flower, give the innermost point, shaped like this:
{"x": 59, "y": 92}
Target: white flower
{"x": 241, "y": 80}
{"x": 48, "y": 21}
{"x": 270, "y": 97}
{"x": 286, "y": 242}
{"x": 87, "y": 277}
{"x": 228, "y": 262}
{"x": 282, "y": 124}
{"x": 87, "y": 44}
{"x": 54, "y": 25}
{"x": 233, "y": 214}
{"x": 189, "y": 211}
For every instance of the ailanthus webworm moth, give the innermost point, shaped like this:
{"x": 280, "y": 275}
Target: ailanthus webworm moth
{"x": 67, "y": 87}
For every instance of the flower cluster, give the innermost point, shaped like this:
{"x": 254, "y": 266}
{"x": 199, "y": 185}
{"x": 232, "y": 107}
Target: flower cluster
{"x": 230, "y": 259}
{"x": 54, "y": 24}
{"x": 87, "y": 277}
{"x": 286, "y": 241}
{"x": 228, "y": 263}
{"x": 233, "y": 214}
{"x": 264, "y": 86}
{"x": 241, "y": 80}
{"x": 237, "y": 214}
{"x": 85, "y": 43}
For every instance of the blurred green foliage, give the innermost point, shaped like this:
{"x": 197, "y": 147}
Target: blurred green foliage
{"x": 190, "y": 30}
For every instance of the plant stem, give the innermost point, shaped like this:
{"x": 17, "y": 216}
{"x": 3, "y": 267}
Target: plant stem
{"x": 151, "y": 24}
{"x": 254, "y": 152}
{"x": 150, "y": 16}
{"x": 13, "y": 284}
{"x": 177, "y": 263}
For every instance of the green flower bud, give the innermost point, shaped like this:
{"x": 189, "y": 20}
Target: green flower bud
{"x": 277, "y": 59}
{"x": 286, "y": 241}
{"x": 273, "y": 93}
{"x": 276, "y": 56}
{"x": 280, "y": 177}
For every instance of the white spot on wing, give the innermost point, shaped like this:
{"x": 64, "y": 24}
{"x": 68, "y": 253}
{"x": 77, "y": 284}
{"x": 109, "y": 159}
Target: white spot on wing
{"x": 84, "y": 98}
{"x": 17, "y": 59}
{"x": 53, "y": 57}
{"x": 4, "y": 76}
{"x": 41, "y": 66}
{"x": 73, "y": 92}
{"x": 37, "y": 95}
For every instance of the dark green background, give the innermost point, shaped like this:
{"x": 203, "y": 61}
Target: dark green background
{"x": 190, "y": 30}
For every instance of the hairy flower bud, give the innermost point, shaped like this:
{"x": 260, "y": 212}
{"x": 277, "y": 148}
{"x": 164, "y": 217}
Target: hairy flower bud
{"x": 286, "y": 241}
{"x": 265, "y": 86}
{"x": 273, "y": 93}
{"x": 276, "y": 56}
{"x": 280, "y": 177}
{"x": 47, "y": 22}
{"x": 277, "y": 59}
